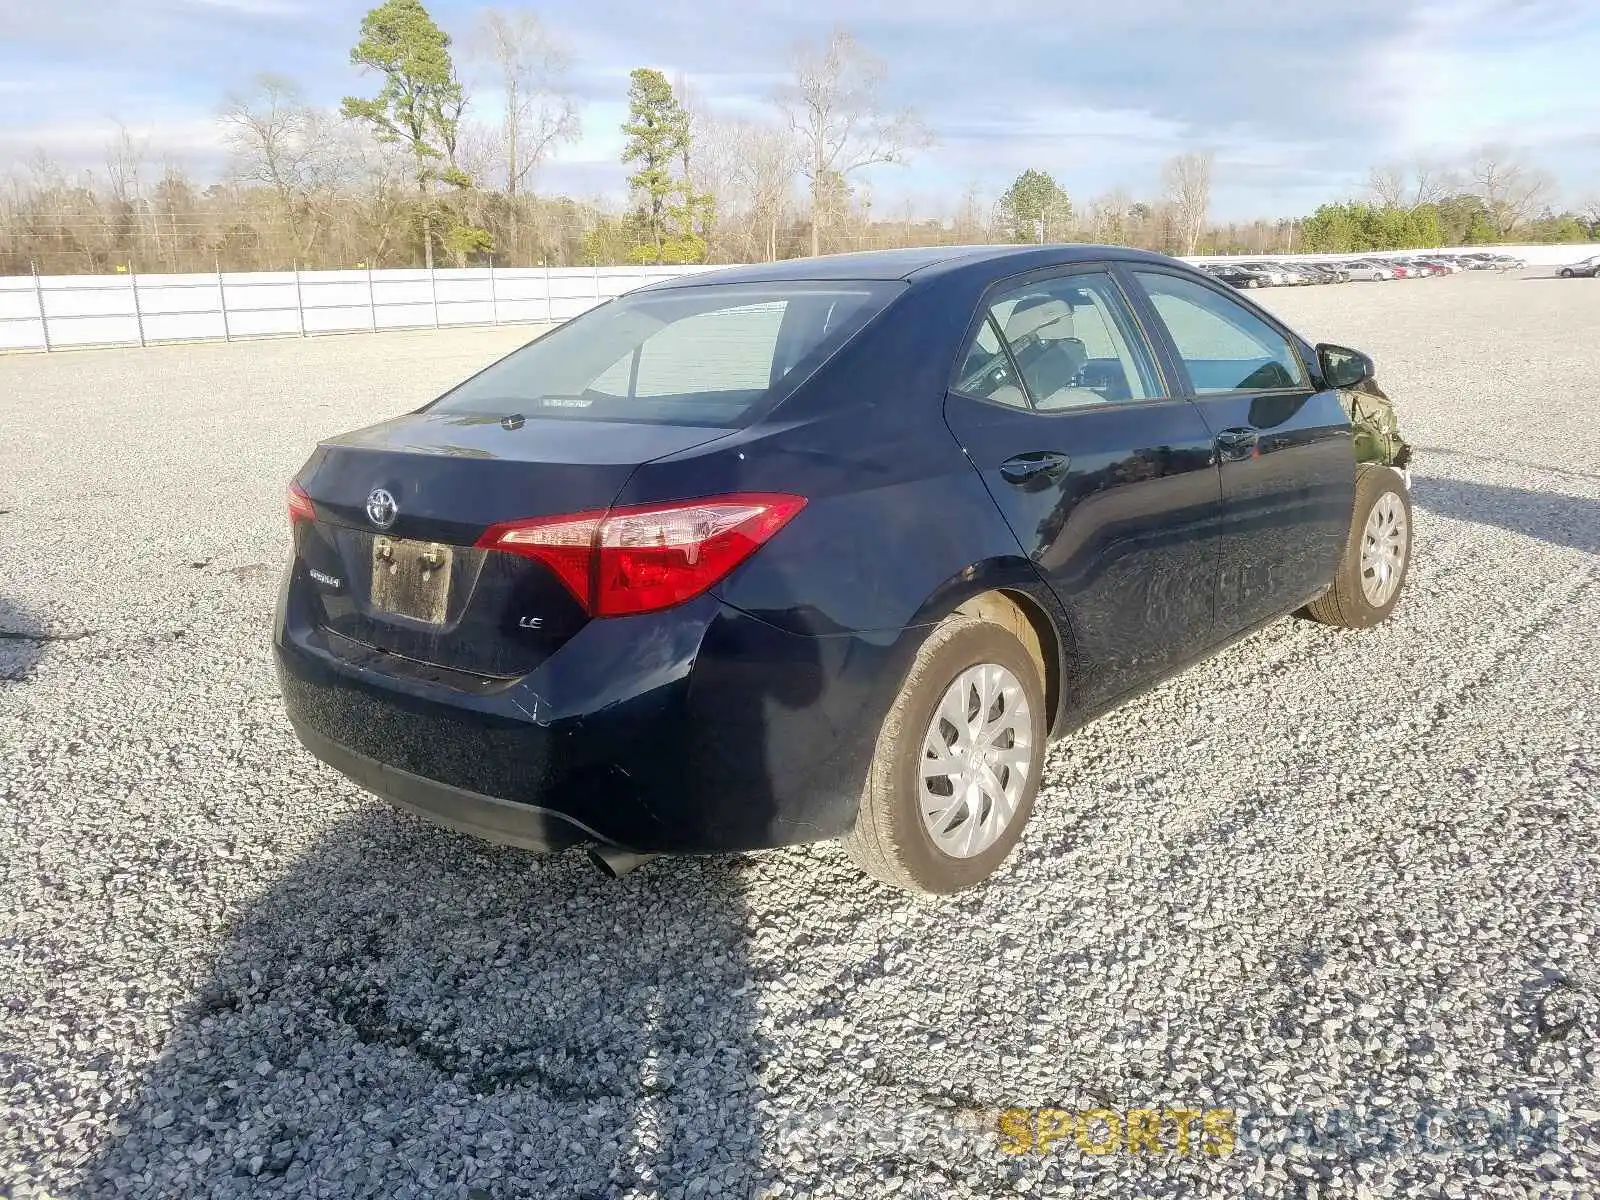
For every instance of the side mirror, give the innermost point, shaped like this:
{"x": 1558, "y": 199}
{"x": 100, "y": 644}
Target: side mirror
{"x": 1343, "y": 367}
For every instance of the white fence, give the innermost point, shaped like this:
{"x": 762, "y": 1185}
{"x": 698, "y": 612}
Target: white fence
{"x": 54, "y": 312}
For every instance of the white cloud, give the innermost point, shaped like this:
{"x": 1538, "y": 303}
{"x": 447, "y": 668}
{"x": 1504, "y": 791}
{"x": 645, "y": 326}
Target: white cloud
{"x": 184, "y": 139}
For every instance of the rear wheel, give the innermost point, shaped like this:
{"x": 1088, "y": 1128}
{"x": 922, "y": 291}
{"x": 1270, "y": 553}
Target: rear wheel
{"x": 1376, "y": 556}
{"x": 959, "y": 756}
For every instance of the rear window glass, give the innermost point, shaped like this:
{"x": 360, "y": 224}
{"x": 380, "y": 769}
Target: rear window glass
{"x": 703, "y": 355}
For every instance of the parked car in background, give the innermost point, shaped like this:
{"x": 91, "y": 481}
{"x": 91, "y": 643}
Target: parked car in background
{"x": 1486, "y": 261}
{"x": 1324, "y": 273}
{"x": 1587, "y": 266}
{"x": 1368, "y": 271}
{"x": 1276, "y": 274}
{"x": 1234, "y": 275}
{"x": 825, "y": 548}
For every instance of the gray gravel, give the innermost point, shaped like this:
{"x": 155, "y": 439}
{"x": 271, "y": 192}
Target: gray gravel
{"x": 1333, "y": 882}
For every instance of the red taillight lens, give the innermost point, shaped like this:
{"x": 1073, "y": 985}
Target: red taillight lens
{"x": 300, "y": 505}
{"x": 649, "y": 557}
{"x": 564, "y": 544}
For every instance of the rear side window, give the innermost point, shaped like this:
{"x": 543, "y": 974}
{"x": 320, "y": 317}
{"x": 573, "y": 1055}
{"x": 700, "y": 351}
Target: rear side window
{"x": 700, "y": 355}
{"x": 1225, "y": 346}
{"x": 1070, "y": 337}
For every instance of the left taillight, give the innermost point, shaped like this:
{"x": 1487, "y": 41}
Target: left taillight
{"x": 300, "y": 508}
{"x": 645, "y": 558}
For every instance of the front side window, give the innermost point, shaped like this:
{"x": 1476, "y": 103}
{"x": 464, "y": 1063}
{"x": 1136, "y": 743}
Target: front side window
{"x": 1071, "y": 338}
{"x": 1225, "y": 346}
{"x": 698, "y": 355}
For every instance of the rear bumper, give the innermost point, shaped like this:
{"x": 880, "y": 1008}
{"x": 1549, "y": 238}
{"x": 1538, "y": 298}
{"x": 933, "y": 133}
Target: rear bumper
{"x": 493, "y": 820}
{"x": 697, "y": 730}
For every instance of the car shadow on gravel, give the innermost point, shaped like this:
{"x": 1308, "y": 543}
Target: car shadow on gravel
{"x": 410, "y": 1012}
{"x": 1562, "y": 520}
{"x": 23, "y": 642}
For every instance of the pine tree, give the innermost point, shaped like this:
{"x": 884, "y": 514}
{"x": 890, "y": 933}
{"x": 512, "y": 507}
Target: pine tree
{"x": 658, "y": 139}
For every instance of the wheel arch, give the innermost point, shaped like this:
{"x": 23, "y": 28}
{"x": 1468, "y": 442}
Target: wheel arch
{"x": 1010, "y": 593}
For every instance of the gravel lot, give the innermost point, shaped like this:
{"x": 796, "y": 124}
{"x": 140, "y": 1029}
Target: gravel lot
{"x": 1332, "y": 882}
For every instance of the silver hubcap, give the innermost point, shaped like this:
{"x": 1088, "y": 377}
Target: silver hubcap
{"x": 1383, "y": 549}
{"x": 976, "y": 757}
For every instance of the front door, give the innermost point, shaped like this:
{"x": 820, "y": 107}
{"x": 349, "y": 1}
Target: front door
{"x": 1283, "y": 444}
{"x": 1104, "y": 476}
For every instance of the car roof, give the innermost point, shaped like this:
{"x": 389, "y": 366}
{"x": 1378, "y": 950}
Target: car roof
{"x": 912, "y": 262}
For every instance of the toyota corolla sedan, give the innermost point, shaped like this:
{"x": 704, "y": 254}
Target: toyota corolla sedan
{"x": 829, "y": 548}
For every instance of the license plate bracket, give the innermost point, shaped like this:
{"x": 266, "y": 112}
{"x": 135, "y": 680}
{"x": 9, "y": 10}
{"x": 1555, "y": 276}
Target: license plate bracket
{"x": 412, "y": 579}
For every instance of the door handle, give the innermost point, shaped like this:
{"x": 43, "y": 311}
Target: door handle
{"x": 1237, "y": 443}
{"x": 1037, "y": 465}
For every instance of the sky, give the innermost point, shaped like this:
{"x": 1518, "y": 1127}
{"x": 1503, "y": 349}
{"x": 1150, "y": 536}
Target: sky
{"x": 1297, "y": 98}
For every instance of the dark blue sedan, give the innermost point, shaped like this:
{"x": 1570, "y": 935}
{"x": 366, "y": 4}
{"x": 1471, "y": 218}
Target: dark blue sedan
{"x": 828, "y": 548}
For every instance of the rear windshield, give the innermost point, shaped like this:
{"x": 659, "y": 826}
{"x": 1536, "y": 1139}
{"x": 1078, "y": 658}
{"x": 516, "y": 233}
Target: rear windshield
{"x": 702, "y": 355}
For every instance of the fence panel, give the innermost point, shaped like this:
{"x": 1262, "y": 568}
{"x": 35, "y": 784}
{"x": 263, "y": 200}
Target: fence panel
{"x": 55, "y": 311}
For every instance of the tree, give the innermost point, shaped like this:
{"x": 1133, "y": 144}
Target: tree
{"x": 835, "y": 110}
{"x": 763, "y": 168}
{"x": 1031, "y": 206}
{"x": 1411, "y": 185}
{"x": 531, "y": 66}
{"x": 1186, "y": 181}
{"x": 290, "y": 147}
{"x": 1510, "y": 189}
{"x": 420, "y": 104}
{"x": 658, "y": 138}
{"x": 694, "y": 211}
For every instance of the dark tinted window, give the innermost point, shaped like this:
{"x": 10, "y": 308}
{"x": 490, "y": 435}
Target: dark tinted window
{"x": 1225, "y": 346}
{"x": 693, "y": 356}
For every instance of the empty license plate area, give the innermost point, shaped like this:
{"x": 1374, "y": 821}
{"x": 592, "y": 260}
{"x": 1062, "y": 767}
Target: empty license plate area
{"x": 411, "y": 579}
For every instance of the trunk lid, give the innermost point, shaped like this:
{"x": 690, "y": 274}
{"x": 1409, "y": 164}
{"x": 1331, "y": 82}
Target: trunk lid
{"x": 407, "y": 580}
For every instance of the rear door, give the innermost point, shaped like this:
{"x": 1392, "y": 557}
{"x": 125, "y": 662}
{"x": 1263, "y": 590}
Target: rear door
{"x": 1102, "y": 473}
{"x": 1283, "y": 445}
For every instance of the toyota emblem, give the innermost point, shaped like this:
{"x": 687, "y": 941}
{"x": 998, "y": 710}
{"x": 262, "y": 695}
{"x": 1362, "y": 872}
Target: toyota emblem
{"x": 381, "y": 508}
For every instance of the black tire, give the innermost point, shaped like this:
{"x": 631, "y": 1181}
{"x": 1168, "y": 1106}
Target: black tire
{"x": 890, "y": 840}
{"x": 1564, "y": 273}
{"x": 1345, "y": 603}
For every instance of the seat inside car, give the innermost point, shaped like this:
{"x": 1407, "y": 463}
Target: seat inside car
{"x": 1049, "y": 353}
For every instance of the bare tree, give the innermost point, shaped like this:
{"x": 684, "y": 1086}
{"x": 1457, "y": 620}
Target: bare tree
{"x": 970, "y": 223}
{"x": 1108, "y": 217}
{"x": 290, "y": 147}
{"x": 1511, "y": 189}
{"x": 761, "y": 171}
{"x": 1186, "y": 181}
{"x": 531, "y": 65}
{"x": 836, "y": 113}
{"x": 1412, "y": 184}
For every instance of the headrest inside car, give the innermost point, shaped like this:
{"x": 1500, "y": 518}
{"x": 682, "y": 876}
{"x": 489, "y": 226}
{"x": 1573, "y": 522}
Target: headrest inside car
{"x": 1047, "y": 318}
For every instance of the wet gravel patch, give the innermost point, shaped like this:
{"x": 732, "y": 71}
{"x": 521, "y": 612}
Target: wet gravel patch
{"x": 1342, "y": 888}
